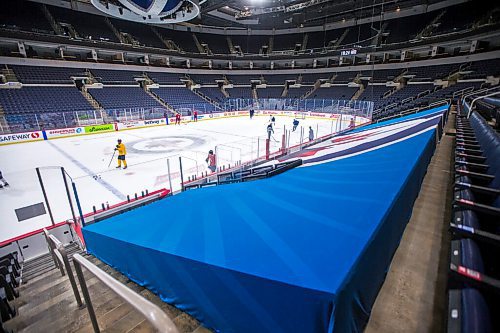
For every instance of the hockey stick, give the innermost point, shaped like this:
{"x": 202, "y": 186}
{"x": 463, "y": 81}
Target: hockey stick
{"x": 111, "y": 159}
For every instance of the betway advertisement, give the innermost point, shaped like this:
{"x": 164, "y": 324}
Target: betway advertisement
{"x": 154, "y": 122}
{"x": 99, "y": 128}
{"x": 62, "y": 132}
{"x": 6, "y": 139}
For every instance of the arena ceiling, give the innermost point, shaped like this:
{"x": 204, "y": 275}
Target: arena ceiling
{"x": 245, "y": 14}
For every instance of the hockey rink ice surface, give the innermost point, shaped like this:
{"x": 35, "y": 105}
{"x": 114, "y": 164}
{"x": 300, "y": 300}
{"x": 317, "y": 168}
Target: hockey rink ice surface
{"x": 86, "y": 159}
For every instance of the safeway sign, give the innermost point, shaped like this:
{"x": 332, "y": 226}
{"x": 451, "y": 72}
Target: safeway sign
{"x": 20, "y": 137}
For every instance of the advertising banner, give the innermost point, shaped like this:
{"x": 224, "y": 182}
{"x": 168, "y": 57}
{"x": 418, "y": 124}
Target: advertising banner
{"x": 153, "y": 122}
{"x": 130, "y": 124}
{"x": 6, "y": 139}
{"x": 99, "y": 128}
{"x": 62, "y": 132}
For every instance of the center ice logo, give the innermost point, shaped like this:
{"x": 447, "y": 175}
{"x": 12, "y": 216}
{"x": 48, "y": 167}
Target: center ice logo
{"x": 166, "y": 144}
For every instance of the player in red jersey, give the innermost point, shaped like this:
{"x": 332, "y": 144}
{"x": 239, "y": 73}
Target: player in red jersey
{"x": 177, "y": 118}
{"x": 211, "y": 161}
{"x": 195, "y": 115}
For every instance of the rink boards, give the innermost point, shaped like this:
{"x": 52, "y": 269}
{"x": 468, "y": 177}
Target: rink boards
{"x": 304, "y": 251}
{"x": 32, "y": 136}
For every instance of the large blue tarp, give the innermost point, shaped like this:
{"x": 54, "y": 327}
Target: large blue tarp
{"x": 304, "y": 251}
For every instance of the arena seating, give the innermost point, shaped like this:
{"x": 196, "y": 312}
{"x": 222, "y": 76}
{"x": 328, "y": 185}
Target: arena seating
{"x": 407, "y": 29}
{"x": 280, "y": 78}
{"x": 43, "y": 99}
{"x": 286, "y": 42}
{"x": 298, "y": 92}
{"x": 335, "y": 92}
{"x": 107, "y": 76}
{"x": 344, "y": 77}
{"x": 143, "y": 34}
{"x": 165, "y": 78}
{"x": 242, "y": 79}
{"x": 216, "y": 43}
{"x": 123, "y": 98}
{"x": 270, "y": 92}
{"x": 205, "y": 78}
{"x": 214, "y": 93}
{"x": 54, "y": 75}
{"x": 432, "y": 72}
{"x": 24, "y": 15}
{"x": 183, "y": 39}
{"x": 180, "y": 98}
{"x": 10, "y": 276}
{"x": 240, "y": 92}
{"x": 87, "y": 26}
{"x": 474, "y": 270}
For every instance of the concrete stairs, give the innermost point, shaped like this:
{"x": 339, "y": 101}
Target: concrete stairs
{"x": 95, "y": 104}
{"x": 47, "y": 302}
{"x": 115, "y": 31}
{"x": 317, "y": 85}
{"x": 206, "y": 98}
{"x": 200, "y": 47}
{"x": 53, "y": 23}
{"x": 9, "y": 74}
{"x": 230, "y": 45}
{"x": 270, "y": 45}
{"x": 254, "y": 93}
{"x": 427, "y": 31}
{"x": 358, "y": 92}
{"x": 169, "y": 107}
{"x": 303, "y": 47}
{"x": 167, "y": 43}
{"x": 341, "y": 38}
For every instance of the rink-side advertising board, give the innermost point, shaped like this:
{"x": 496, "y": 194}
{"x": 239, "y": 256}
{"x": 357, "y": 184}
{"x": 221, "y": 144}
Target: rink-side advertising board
{"x": 63, "y": 132}
{"x": 6, "y": 139}
{"x": 99, "y": 128}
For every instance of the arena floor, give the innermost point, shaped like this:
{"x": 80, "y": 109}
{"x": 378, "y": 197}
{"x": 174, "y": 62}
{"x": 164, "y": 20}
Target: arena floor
{"x": 86, "y": 159}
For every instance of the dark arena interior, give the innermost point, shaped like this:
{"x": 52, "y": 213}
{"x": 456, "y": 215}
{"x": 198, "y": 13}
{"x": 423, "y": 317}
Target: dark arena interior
{"x": 250, "y": 166}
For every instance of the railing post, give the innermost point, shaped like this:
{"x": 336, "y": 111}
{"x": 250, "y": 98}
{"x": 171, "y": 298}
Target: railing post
{"x": 45, "y": 195}
{"x": 86, "y": 296}
{"x": 51, "y": 251}
{"x": 182, "y": 175}
{"x": 71, "y": 277}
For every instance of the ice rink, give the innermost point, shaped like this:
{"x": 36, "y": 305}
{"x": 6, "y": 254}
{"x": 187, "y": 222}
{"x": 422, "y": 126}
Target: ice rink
{"x": 86, "y": 159}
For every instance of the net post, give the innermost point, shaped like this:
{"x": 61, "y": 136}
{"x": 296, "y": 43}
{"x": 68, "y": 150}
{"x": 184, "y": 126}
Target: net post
{"x": 68, "y": 195}
{"x": 45, "y": 195}
{"x": 75, "y": 192}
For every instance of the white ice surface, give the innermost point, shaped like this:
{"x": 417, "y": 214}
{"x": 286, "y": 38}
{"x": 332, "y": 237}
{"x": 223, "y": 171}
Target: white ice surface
{"x": 86, "y": 158}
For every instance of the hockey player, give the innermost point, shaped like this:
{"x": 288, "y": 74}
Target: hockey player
{"x": 311, "y": 134}
{"x": 211, "y": 161}
{"x": 195, "y": 115}
{"x": 352, "y": 124}
{"x": 270, "y": 130}
{"x": 252, "y": 112}
{"x": 295, "y": 124}
{"x": 4, "y": 182}
{"x": 122, "y": 151}
{"x": 177, "y": 118}
{"x": 273, "y": 120}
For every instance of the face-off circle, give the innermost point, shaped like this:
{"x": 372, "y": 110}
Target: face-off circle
{"x": 167, "y": 144}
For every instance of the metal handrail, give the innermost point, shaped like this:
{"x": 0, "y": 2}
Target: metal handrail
{"x": 478, "y": 98}
{"x": 58, "y": 251}
{"x": 153, "y": 314}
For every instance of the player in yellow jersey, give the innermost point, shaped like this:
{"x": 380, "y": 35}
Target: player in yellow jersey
{"x": 122, "y": 151}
